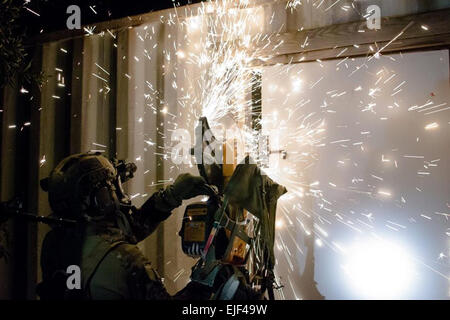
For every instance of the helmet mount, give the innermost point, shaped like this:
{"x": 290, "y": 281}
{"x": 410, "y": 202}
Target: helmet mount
{"x": 88, "y": 186}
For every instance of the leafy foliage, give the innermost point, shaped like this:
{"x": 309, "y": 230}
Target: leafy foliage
{"x": 14, "y": 60}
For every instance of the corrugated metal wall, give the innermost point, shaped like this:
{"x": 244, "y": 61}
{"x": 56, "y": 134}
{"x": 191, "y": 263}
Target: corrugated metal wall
{"x": 106, "y": 92}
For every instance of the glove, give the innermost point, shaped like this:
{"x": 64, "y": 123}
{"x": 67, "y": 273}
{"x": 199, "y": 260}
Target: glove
{"x": 187, "y": 186}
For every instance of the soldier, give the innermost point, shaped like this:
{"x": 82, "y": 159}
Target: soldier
{"x": 87, "y": 188}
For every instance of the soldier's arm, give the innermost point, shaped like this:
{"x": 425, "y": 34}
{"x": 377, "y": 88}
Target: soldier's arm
{"x": 160, "y": 205}
{"x": 154, "y": 211}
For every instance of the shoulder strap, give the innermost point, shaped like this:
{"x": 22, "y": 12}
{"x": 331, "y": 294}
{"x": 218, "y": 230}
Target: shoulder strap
{"x": 93, "y": 258}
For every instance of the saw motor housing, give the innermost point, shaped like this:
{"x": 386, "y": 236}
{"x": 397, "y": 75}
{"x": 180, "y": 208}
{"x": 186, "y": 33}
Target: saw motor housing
{"x": 198, "y": 220}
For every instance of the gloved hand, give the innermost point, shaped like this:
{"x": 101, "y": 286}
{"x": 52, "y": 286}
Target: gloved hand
{"x": 187, "y": 186}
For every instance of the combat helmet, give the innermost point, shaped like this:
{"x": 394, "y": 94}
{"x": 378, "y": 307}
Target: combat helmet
{"x": 82, "y": 185}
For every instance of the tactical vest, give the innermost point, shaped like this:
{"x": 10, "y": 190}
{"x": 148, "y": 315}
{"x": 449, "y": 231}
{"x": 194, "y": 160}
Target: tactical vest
{"x": 94, "y": 251}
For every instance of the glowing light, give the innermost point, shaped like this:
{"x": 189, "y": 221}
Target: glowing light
{"x": 293, "y": 4}
{"x": 210, "y": 8}
{"x": 384, "y": 193}
{"x": 42, "y": 161}
{"x": 432, "y": 126}
{"x": 297, "y": 84}
{"x": 195, "y": 22}
{"x": 379, "y": 270}
{"x": 181, "y": 54}
{"x": 319, "y": 242}
{"x": 279, "y": 224}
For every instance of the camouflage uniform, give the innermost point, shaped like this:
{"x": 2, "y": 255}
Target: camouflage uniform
{"x": 112, "y": 266}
